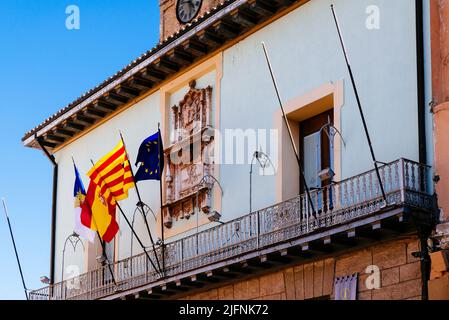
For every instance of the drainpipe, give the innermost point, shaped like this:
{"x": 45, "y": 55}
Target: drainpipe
{"x": 423, "y": 232}
{"x": 421, "y": 81}
{"x": 53, "y": 209}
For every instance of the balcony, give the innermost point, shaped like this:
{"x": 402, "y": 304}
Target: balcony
{"x": 344, "y": 214}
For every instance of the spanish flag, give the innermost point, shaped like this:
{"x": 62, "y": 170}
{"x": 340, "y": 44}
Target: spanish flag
{"x": 98, "y": 215}
{"x": 110, "y": 180}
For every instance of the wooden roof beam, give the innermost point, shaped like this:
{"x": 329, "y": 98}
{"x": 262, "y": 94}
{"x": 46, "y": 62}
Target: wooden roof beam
{"x": 195, "y": 47}
{"x": 84, "y": 120}
{"x": 54, "y": 138}
{"x": 115, "y": 98}
{"x": 153, "y": 74}
{"x": 226, "y": 29}
{"x": 244, "y": 18}
{"x": 104, "y": 106}
{"x": 180, "y": 57}
{"x": 284, "y": 3}
{"x": 126, "y": 91}
{"x": 140, "y": 82}
{"x": 210, "y": 38}
{"x": 71, "y": 125}
{"x": 263, "y": 7}
{"x": 94, "y": 113}
{"x": 48, "y": 144}
{"x": 63, "y": 132}
{"x": 169, "y": 67}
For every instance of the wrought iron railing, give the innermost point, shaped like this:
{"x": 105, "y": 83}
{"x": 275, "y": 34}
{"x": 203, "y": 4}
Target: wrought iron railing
{"x": 405, "y": 183}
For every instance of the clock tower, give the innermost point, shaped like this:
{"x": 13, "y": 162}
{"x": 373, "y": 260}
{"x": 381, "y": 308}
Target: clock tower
{"x": 176, "y": 13}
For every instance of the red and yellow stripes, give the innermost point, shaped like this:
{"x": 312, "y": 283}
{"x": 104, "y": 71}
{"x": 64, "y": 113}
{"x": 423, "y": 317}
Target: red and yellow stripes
{"x": 110, "y": 180}
{"x": 113, "y": 175}
{"x": 98, "y": 215}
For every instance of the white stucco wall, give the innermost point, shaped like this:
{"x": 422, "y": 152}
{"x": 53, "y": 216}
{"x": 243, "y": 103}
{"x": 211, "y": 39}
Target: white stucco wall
{"x": 305, "y": 54}
{"x": 136, "y": 124}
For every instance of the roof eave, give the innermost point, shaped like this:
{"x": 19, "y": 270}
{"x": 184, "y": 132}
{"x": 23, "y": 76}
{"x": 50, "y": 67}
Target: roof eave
{"x": 232, "y": 18}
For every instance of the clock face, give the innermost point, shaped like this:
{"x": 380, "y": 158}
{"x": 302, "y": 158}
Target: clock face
{"x": 187, "y": 10}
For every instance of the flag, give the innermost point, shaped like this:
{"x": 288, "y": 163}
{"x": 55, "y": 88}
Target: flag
{"x": 151, "y": 158}
{"x": 345, "y": 288}
{"x": 113, "y": 175}
{"x": 110, "y": 180}
{"x": 80, "y": 194}
{"x": 99, "y": 215}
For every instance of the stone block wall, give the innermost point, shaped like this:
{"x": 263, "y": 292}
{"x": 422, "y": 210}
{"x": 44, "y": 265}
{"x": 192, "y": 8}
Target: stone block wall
{"x": 439, "y": 276}
{"x": 400, "y": 277}
{"x": 439, "y": 20}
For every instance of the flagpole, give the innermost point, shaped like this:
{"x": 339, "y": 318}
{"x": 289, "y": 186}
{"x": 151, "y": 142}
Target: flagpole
{"x": 15, "y": 249}
{"x": 141, "y": 205}
{"x": 137, "y": 237}
{"x": 129, "y": 224}
{"x": 295, "y": 150}
{"x": 161, "y": 170}
{"x": 103, "y": 246}
{"x": 359, "y": 104}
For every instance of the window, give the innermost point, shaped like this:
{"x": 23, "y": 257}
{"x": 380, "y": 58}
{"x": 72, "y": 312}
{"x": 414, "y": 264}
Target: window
{"x": 307, "y": 114}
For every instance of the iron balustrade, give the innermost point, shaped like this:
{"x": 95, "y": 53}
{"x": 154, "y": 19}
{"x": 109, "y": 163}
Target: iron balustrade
{"x": 405, "y": 183}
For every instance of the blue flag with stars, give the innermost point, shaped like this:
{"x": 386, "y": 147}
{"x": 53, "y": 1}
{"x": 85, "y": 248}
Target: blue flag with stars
{"x": 151, "y": 159}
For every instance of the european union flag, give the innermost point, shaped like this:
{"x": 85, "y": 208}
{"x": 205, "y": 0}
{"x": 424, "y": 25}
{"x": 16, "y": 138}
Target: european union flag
{"x": 151, "y": 159}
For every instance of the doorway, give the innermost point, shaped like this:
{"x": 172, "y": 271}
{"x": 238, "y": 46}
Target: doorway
{"x": 316, "y": 149}
{"x": 316, "y": 154}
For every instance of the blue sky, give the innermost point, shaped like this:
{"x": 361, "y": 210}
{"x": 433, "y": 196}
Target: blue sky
{"x": 44, "y": 67}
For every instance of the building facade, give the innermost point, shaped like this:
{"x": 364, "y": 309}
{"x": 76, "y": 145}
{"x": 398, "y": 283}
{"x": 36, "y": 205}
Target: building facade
{"x": 238, "y": 220}
{"x": 439, "y": 278}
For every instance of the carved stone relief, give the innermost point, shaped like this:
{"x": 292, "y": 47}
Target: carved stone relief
{"x": 187, "y": 158}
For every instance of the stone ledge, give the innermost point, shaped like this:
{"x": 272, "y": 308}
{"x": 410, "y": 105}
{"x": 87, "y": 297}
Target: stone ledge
{"x": 439, "y": 289}
{"x": 441, "y": 107}
{"x": 440, "y": 264}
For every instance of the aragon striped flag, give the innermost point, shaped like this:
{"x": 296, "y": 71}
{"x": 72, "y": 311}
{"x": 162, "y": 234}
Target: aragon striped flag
{"x": 110, "y": 180}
